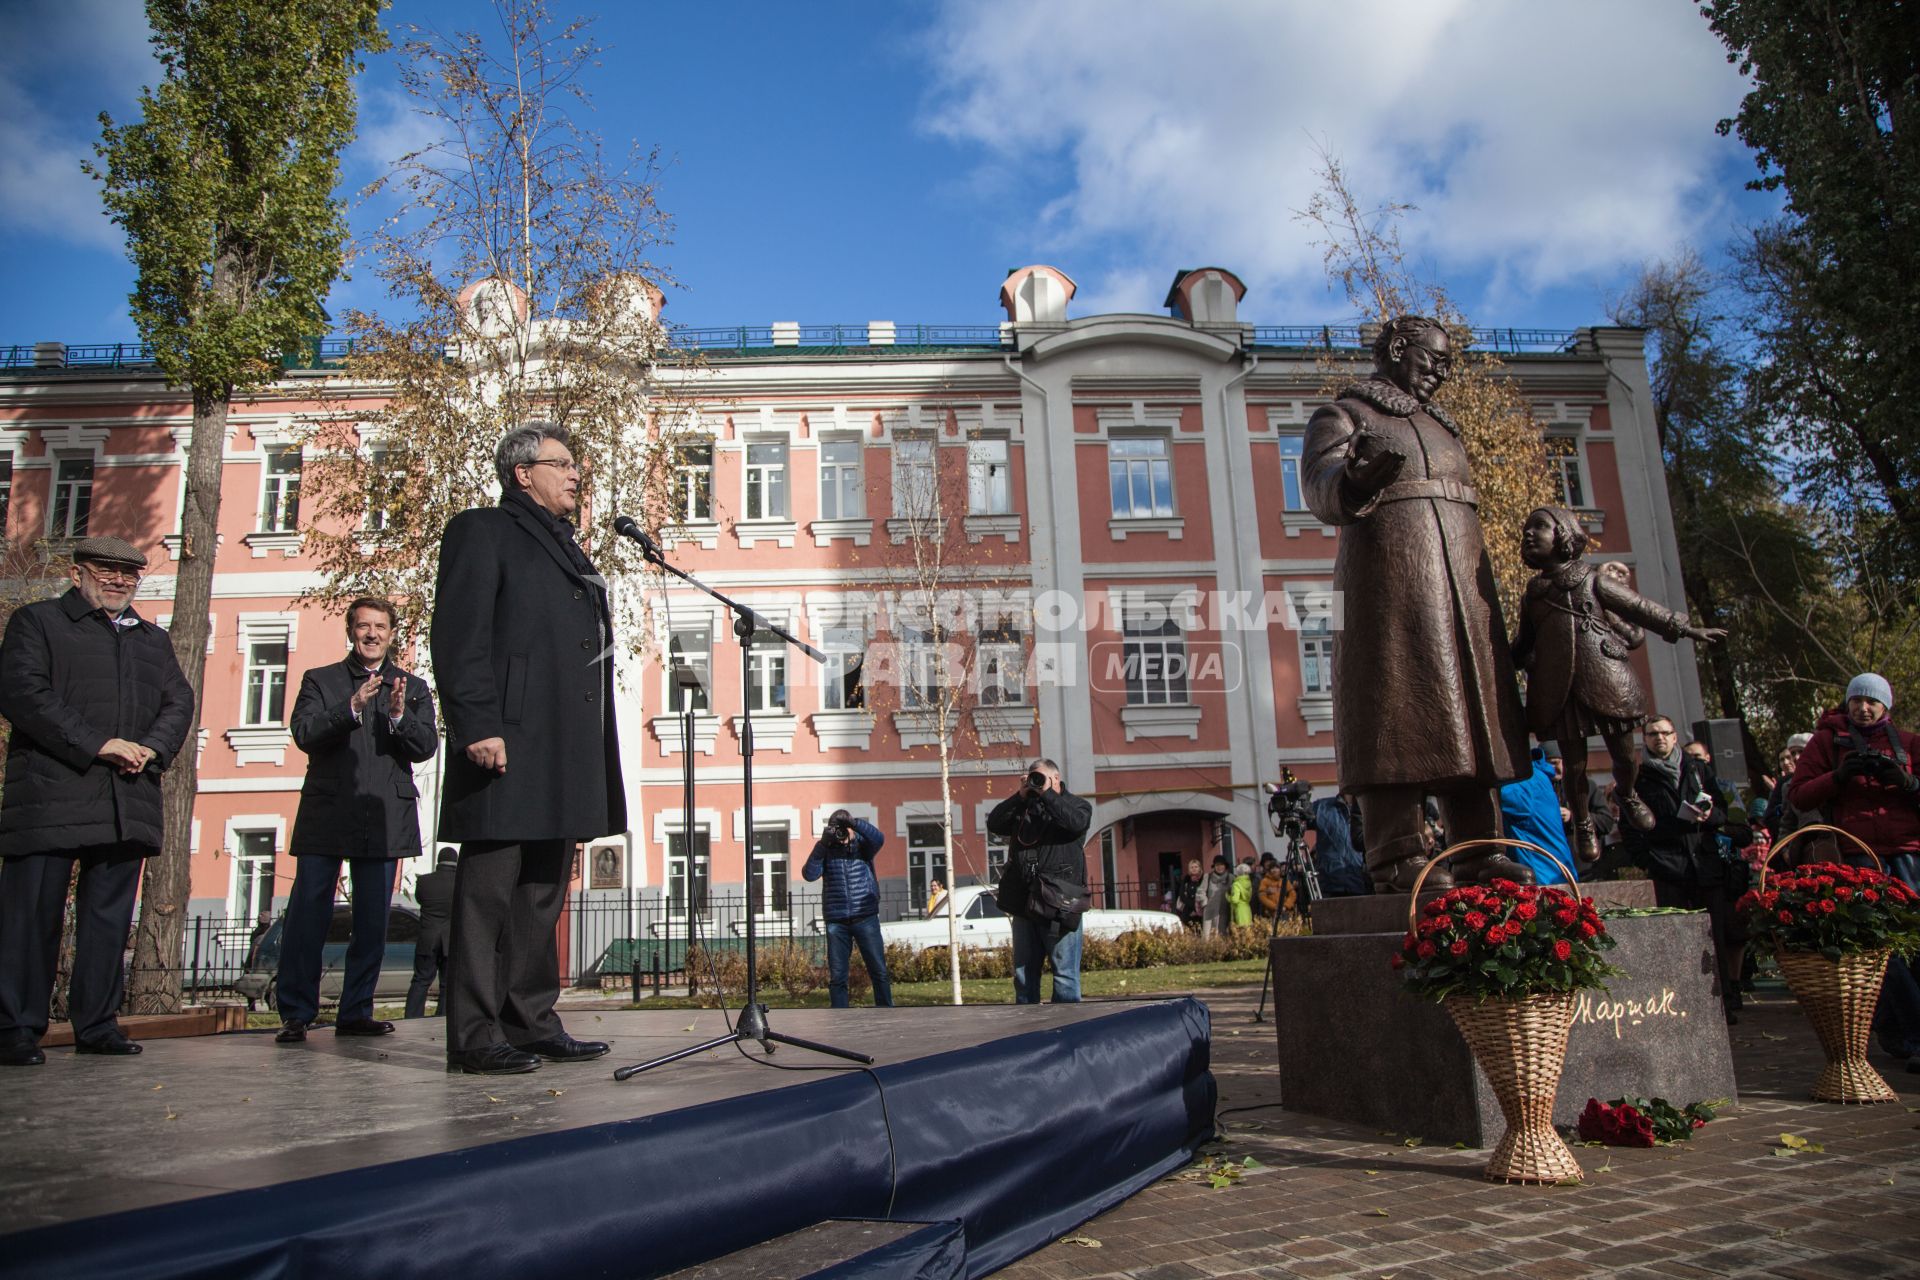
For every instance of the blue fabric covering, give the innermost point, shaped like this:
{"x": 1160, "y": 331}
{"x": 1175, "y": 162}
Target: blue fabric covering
{"x": 1530, "y": 809}
{"x": 1021, "y": 1139}
{"x": 938, "y": 1251}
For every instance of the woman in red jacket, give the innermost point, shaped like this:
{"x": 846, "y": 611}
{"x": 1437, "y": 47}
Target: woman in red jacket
{"x": 1858, "y": 770}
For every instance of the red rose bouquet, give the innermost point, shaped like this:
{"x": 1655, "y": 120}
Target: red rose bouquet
{"x": 1833, "y": 910}
{"x": 1642, "y": 1122}
{"x": 1504, "y": 940}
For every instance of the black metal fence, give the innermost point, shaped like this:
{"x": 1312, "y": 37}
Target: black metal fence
{"x": 607, "y": 938}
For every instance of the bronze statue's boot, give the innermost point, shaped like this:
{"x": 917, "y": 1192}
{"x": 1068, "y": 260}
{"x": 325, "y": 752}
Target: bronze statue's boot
{"x": 1401, "y": 877}
{"x": 1492, "y": 865}
{"x": 1635, "y": 810}
{"x": 1586, "y": 845}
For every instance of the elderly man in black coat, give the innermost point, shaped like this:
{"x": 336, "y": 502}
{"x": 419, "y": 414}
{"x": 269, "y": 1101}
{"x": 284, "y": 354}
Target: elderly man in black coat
{"x": 99, "y": 709}
{"x": 523, "y": 656}
{"x": 364, "y": 723}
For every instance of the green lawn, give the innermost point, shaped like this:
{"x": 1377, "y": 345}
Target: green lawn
{"x": 1104, "y": 982}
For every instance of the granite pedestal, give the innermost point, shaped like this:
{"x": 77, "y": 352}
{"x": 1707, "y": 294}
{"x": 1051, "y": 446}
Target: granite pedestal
{"x": 1355, "y": 1046}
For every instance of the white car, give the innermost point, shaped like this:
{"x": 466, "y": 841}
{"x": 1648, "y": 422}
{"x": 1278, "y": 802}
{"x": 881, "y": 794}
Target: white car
{"x": 983, "y": 924}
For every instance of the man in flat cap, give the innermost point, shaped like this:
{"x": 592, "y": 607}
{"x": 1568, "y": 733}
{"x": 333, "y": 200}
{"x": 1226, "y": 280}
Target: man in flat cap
{"x": 98, "y": 709}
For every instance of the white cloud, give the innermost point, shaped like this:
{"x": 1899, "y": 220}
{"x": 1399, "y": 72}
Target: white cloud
{"x": 61, "y": 63}
{"x": 1544, "y": 144}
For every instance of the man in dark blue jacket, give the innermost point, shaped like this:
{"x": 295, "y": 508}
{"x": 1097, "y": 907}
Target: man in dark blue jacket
{"x": 99, "y": 709}
{"x": 850, "y": 903}
{"x": 364, "y": 723}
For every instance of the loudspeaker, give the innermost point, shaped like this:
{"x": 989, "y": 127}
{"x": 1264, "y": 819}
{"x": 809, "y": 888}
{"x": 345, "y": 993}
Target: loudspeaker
{"x": 1728, "y": 744}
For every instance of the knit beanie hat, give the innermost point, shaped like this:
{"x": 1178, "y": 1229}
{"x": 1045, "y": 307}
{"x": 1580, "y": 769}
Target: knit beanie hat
{"x": 1869, "y": 685}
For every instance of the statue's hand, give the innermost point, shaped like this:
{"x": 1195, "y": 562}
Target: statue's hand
{"x": 1706, "y": 635}
{"x": 1373, "y": 464}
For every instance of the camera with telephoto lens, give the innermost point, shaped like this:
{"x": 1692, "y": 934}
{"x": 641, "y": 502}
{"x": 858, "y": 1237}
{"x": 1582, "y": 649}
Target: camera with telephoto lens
{"x": 1036, "y": 781}
{"x": 840, "y": 827}
{"x": 1289, "y": 804}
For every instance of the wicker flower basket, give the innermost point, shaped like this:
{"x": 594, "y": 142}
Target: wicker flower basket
{"x": 1838, "y": 997}
{"x": 1521, "y": 1045}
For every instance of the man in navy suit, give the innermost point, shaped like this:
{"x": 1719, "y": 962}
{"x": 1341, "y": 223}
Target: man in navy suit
{"x": 364, "y": 723}
{"x": 523, "y": 658}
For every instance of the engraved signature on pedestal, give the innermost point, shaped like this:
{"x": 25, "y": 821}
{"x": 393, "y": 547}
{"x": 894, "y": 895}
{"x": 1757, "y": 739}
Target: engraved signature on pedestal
{"x": 1588, "y": 1007}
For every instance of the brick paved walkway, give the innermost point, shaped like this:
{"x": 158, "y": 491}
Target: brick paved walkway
{"x": 1331, "y": 1199}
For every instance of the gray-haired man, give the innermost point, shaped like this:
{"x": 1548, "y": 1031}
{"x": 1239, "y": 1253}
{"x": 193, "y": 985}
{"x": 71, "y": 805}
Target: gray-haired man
{"x": 522, "y": 655}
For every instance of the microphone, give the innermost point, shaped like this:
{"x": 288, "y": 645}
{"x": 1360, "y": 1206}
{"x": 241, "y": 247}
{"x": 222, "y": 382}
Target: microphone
{"x": 627, "y": 528}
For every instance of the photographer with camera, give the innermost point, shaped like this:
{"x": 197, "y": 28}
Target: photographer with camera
{"x": 1044, "y": 886}
{"x": 850, "y": 903}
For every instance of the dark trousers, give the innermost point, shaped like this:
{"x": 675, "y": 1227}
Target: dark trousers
{"x": 33, "y": 907}
{"x": 304, "y": 936}
{"x": 841, "y": 937}
{"x": 503, "y": 972}
{"x": 1717, "y": 901}
{"x": 1395, "y": 818}
{"x": 429, "y": 963}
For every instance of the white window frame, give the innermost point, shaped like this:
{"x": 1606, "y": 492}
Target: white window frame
{"x": 990, "y": 478}
{"x": 237, "y": 826}
{"x": 1135, "y": 466}
{"x": 922, "y": 663}
{"x": 70, "y": 492}
{"x": 767, "y": 674}
{"x": 381, "y": 489}
{"x": 916, "y": 480}
{"x": 843, "y": 494}
{"x": 675, "y": 868}
{"x": 279, "y": 508}
{"x": 1293, "y": 477}
{"x": 692, "y": 497}
{"x": 843, "y": 661}
{"x": 254, "y": 703}
{"x": 1000, "y": 663}
{"x": 762, "y": 867}
{"x": 6, "y": 488}
{"x": 700, "y": 660}
{"x": 1166, "y": 649}
{"x": 926, "y": 862}
{"x": 762, "y": 481}
{"x": 1568, "y": 459}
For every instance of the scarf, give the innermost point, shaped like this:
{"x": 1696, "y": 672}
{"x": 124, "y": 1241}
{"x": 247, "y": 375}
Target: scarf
{"x": 1667, "y": 766}
{"x": 562, "y": 531}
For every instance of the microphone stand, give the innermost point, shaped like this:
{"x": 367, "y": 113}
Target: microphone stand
{"x": 752, "y": 1023}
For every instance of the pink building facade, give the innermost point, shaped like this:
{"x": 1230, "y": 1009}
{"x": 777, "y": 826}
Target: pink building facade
{"x": 1131, "y": 584}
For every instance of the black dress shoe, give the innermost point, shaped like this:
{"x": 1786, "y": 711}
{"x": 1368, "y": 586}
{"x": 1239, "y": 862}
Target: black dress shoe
{"x": 494, "y": 1060}
{"x": 115, "y": 1046}
{"x": 564, "y": 1048}
{"x": 292, "y": 1032}
{"x": 21, "y": 1053}
{"x": 362, "y": 1027}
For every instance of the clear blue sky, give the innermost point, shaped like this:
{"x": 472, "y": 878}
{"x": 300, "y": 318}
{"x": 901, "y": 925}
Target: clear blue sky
{"x": 843, "y": 162}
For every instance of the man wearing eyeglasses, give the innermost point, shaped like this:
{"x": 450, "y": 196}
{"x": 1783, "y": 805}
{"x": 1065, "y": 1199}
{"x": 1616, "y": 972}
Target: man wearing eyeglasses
{"x": 99, "y": 709}
{"x": 523, "y": 656}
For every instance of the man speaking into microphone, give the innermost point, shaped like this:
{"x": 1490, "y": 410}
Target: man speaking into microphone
{"x": 523, "y": 654}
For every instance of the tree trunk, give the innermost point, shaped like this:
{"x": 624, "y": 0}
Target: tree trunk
{"x": 953, "y": 877}
{"x": 166, "y": 882}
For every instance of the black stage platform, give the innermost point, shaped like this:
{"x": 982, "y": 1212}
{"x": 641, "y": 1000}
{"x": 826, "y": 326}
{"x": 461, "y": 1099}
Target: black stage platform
{"x": 232, "y": 1156}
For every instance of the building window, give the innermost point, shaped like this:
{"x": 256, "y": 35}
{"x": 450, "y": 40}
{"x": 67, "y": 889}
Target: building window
{"x": 689, "y": 653}
{"x": 840, "y": 674}
{"x": 1109, "y": 871}
{"x": 989, "y": 478}
{"x": 926, "y": 859}
{"x": 920, "y": 668}
{"x": 914, "y": 495}
{"x": 767, "y": 673}
{"x": 280, "y": 498}
{"x": 6, "y": 490}
{"x": 72, "y": 497}
{"x": 767, "y": 480}
{"x": 768, "y": 883}
{"x": 386, "y": 486}
{"x": 1292, "y": 497}
{"x": 692, "y": 497}
{"x": 1316, "y": 655}
{"x": 678, "y": 884}
{"x": 1140, "y": 473}
{"x": 998, "y": 848}
{"x": 1003, "y": 667}
{"x": 1564, "y": 453}
{"x": 266, "y": 702}
{"x": 1223, "y": 840}
{"x": 253, "y": 875}
{"x": 840, "y": 488}
{"x": 1154, "y": 656}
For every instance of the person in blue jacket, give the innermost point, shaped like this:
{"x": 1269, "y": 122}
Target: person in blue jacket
{"x": 851, "y": 903}
{"x": 1530, "y": 810}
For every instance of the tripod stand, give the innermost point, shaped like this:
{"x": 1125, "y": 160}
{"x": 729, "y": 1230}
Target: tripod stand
{"x": 1288, "y": 812}
{"x": 752, "y": 1023}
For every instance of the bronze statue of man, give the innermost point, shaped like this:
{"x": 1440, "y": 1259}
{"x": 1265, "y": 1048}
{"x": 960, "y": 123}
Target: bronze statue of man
{"x": 1424, "y": 696}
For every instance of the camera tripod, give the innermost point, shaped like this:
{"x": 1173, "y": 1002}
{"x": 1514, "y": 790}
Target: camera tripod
{"x": 752, "y": 1023}
{"x": 1288, "y": 813}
